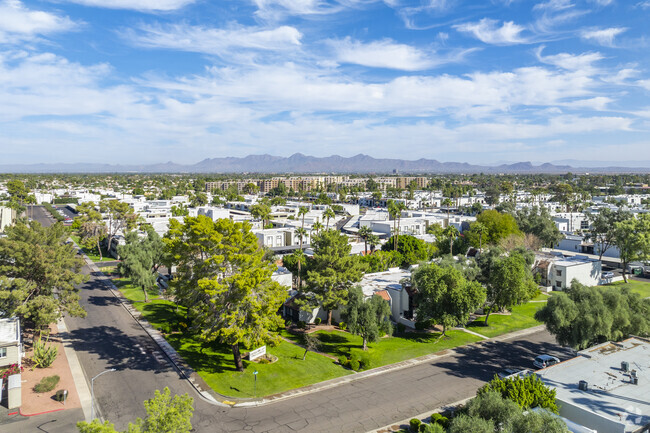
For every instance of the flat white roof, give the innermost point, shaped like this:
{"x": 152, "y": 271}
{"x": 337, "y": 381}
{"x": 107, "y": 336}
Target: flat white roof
{"x": 9, "y": 331}
{"x": 610, "y": 393}
{"x": 378, "y": 281}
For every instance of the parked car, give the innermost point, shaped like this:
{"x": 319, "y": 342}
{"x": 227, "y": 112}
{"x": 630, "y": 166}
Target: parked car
{"x": 543, "y": 361}
{"x": 607, "y": 275}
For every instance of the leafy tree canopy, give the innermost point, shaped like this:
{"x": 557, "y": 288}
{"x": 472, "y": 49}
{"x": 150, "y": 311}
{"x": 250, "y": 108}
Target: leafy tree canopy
{"x": 584, "y": 316}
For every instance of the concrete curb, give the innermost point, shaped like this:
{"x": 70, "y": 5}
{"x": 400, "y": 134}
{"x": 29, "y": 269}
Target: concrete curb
{"x": 175, "y": 359}
{"x": 77, "y": 371}
{"x": 425, "y": 416}
{"x": 210, "y": 396}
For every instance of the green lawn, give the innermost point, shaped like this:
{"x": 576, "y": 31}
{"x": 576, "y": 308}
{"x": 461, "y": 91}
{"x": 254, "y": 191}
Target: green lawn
{"x": 390, "y": 350}
{"x": 214, "y": 361}
{"x": 521, "y": 318}
{"x": 135, "y": 294}
{"x": 93, "y": 254}
{"x": 640, "y": 287}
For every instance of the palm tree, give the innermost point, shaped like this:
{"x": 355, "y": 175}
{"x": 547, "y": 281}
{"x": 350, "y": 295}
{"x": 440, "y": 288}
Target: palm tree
{"x": 302, "y": 234}
{"x": 364, "y": 232}
{"x": 452, "y": 232}
{"x": 329, "y": 213}
{"x": 373, "y": 241}
{"x": 317, "y": 226}
{"x": 480, "y": 229}
{"x": 447, "y": 203}
{"x": 395, "y": 211}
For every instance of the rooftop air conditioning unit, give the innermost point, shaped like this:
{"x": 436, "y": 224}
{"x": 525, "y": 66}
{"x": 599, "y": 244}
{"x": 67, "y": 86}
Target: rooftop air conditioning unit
{"x": 625, "y": 366}
{"x": 583, "y": 385}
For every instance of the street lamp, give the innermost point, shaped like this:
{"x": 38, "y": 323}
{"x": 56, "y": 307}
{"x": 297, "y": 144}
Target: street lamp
{"x": 92, "y": 393}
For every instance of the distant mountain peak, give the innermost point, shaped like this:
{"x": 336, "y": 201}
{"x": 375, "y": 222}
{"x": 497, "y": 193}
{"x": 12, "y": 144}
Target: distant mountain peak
{"x": 300, "y": 163}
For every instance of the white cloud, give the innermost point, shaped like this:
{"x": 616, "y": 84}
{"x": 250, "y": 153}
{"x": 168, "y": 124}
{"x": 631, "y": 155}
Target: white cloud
{"x": 602, "y": 2}
{"x": 554, "y": 5}
{"x": 488, "y": 31}
{"x": 582, "y": 62}
{"x": 20, "y": 23}
{"x": 382, "y": 54}
{"x": 211, "y": 40}
{"x": 138, "y": 5}
{"x": 603, "y": 37}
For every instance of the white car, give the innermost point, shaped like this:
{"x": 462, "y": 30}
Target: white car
{"x": 607, "y": 275}
{"x": 543, "y": 361}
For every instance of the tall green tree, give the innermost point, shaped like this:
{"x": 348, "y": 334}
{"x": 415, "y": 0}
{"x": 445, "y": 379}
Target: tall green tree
{"x": 537, "y": 221}
{"x": 120, "y": 217}
{"x": 332, "y": 271}
{"x": 367, "y": 318}
{"x": 412, "y": 250}
{"x": 584, "y": 316}
{"x": 632, "y": 237}
{"x": 510, "y": 283}
{"x": 602, "y": 230}
{"x": 499, "y": 226}
{"x": 141, "y": 258}
{"x": 92, "y": 228}
{"x": 225, "y": 283}
{"x": 364, "y": 232}
{"x": 328, "y": 214}
{"x": 261, "y": 211}
{"x": 445, "y": 296}
{"x": 45, "y": 272}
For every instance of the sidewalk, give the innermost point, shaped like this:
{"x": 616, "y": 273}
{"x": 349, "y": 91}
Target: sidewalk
{"x": 214, "y": 398}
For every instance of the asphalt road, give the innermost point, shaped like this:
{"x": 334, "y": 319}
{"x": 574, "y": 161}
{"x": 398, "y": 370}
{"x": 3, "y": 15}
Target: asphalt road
{"x": 109, "y": 338}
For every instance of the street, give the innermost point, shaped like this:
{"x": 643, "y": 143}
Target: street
{"x": 110, "y": 338}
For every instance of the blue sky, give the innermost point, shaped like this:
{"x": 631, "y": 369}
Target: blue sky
{"x": 142, "y": 81}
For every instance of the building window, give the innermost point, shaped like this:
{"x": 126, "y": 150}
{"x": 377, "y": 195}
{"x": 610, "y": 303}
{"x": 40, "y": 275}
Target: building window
{"x": 559, "y": 273}
{"x": 558, "y": 284}
{"x": 3, "y": 352}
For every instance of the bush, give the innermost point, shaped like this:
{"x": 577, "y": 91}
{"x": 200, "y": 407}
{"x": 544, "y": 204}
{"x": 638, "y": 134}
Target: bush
{"x": 44, "y": 355}
{"x": 60, "y": 395}
{"x": 342, "y": 326}
{"x": 47, "y": 384}
{"x": 527, "y": 392}
{"x": 415, "y": 425}
{"x": 441, "y": 420}
{"x": 343, "y": 360}
{"x": 354, "y": 364}
{"x": 288, "y": 323}
{"x": 301, "y": 324}
{"x": 366, "y": 358}
{"x": 317, "y": 321}
{"x": 401, "y": 328}
{"x": 421, "y": 326}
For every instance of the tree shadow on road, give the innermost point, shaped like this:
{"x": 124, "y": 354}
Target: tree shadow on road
{"x": 483, "y": 360}
{"x": 119, "y": 350}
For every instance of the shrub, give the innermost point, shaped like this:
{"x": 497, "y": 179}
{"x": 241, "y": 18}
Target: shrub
{"x": 44, "y": 355}
{"x": 47, "y": 384}
{"x": 301, "y": 324}
{"x": 60, "y": 395}
{"x": 442, "y": 420}
{"x": 421, "y": 326}
{"x": 366, "y": 358}
{"x": 527, "y": 392}
{"x": 317, "y": 321}
{"x": 342, "y": 326}
{"x": 263, "y": 361}
{"x": 288, "y": 323}
{"x": 354, "y": 364}
{"x": 343, "y": 360}
{"x": 415, "y": 425}
{"x": 401, "y": 328}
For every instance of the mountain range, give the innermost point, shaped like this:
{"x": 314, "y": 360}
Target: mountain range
{"x": 301, "y": 164}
